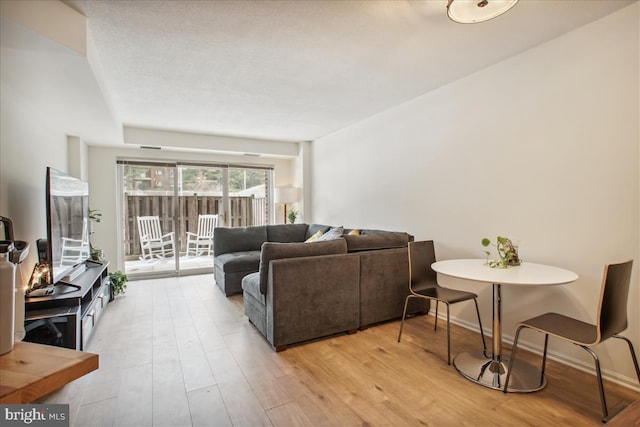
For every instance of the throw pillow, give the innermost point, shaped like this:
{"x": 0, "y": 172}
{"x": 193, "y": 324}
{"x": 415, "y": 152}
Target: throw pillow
{"x": 315, "y": 237}
{"x": 333, "y": 234}
{"x": 354, "y": 232}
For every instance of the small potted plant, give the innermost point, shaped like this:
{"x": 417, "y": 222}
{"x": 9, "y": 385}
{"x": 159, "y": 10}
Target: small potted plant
{"x": 118, "y": 282}
{"x": 292, "y": 215}
{"x": 507, "y": 251}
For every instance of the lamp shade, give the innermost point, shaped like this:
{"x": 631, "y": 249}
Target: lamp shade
{"x": 473, "y": 11}
{"x": 286, "y": 194}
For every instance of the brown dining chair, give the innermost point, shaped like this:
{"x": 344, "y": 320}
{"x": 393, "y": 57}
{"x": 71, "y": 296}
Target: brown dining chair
{"x": 610, "y": 321}
{"x": 423, "y": 283}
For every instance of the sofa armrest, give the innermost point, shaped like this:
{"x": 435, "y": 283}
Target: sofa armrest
{"x": 312, "y": 297}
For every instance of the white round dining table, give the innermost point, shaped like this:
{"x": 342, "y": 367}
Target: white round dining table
{"x": 490, "y": 370}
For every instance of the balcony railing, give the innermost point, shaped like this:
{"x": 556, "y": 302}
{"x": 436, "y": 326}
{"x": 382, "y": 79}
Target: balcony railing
{"x": 244, "y": 211}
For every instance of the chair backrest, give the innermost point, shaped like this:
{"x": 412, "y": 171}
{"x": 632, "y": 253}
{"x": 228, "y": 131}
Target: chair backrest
{"x": 421, "y": 255}
{"x": 612, "y": 313}
{"x": 149, "y": 227}
{"x": 206, "y": 224}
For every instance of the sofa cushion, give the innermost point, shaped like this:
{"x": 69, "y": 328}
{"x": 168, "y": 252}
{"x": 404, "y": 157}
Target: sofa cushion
{"x": 313, "y": 229}
{"x": 315, "y": 237}
{"x": 376, "y": 240}
{"x": 334, "y": 233}
{"x": 251, "y": 285}
{"x": 238, "y": 261}
{"x": 273, "y": 250}
{"x": 256, "y": 311}
{"x": 287, "y": 233}
{"x": 238, "y": 239}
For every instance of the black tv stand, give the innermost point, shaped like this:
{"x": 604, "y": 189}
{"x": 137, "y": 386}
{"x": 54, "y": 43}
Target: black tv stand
{"x": 93, "y": 264}
{"x": 74, "y": 306}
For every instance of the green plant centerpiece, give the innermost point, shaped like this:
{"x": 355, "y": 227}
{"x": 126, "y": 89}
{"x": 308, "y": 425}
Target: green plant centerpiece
{"x": 292, "y": 215}
{"x": 507, "y": 251}
{"x": 118, "y": 282}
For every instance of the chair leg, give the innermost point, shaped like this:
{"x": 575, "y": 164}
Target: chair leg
{"x": 435, "y": 326}
{"x": 404, "y": 314}
{"x": 633, "y": 354}
{"x": 603, "y": 400}
{"x": 448, "y": 337}
{"x": 513, "y": 358}
{"x": 544, "y": 359}
{"x": 484, "y": 344}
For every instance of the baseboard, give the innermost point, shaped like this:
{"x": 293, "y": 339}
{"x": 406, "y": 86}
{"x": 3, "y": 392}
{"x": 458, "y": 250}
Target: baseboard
{"x": 625, "y": 381}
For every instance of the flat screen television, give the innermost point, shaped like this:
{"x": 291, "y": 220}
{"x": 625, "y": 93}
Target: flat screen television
{"x": 67, "y": 224}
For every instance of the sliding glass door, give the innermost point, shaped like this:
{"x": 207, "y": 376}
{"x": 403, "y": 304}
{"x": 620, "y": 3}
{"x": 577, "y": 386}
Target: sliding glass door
{"x": 169, "y": 212}
{"x": 249, "y": 193}
{"x": 149, "y": 211}
{"x": 201, "y": 195}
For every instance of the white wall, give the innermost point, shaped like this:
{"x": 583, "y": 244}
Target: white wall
{"x": 32, "y": 135}
{"x": 542, "y": 148}
{"x": 300, "y": 178}
{"x": 25, "y": 152}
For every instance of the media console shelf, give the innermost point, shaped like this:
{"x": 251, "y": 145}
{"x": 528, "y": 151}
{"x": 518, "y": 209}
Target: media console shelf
{"x": 67, "y": 317}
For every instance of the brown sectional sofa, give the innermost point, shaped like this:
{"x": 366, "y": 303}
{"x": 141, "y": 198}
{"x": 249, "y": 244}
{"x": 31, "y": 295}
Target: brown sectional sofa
{"x": 295, "y": 291}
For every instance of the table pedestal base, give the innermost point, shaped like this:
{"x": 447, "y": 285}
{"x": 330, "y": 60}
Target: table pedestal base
{"x": 489, "y": 373}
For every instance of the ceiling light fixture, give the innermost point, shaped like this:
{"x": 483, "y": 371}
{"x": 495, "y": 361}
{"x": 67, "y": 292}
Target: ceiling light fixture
{"x": 474, "y": 11}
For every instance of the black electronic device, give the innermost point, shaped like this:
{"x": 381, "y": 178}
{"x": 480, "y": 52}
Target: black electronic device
{"x": 6, "y": 229}
{"x": 17, "y": 249}
{"x": 67, "y": 201}
{"x": 42, "y": 247}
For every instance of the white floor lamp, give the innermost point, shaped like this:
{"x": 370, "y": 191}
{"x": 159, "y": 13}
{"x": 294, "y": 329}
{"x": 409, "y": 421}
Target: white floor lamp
{"x": 286, "y": 195}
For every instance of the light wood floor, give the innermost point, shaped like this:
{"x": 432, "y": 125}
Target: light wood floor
{"x": 176, "y": 352}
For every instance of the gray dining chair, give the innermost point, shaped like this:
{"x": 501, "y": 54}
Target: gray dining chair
{"x": 423, "y": 283}
{"x": 611, "y": 319}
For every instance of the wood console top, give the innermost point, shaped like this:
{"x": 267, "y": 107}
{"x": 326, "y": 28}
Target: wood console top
{"x": 30, "y": 371}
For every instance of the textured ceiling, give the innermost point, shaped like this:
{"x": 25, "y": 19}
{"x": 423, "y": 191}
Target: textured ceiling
{"x": 298, "y": 70}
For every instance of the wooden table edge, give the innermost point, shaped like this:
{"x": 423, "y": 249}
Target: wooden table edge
{"x": 40, "y": 386}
